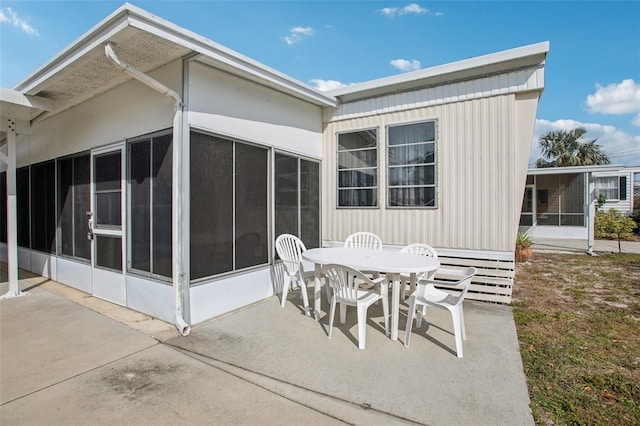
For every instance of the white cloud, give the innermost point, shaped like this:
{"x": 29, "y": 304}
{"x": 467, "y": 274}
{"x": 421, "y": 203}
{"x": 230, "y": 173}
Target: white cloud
{"x": 621, "y": 147}
{"x": 405, "y": 65}
{"x": 618, "y": 99}
{"x": 296, "y": 34}
{"x": 9, "y": 16}
{"x": 410, "y": 9}
{"x": 326, "y": 85}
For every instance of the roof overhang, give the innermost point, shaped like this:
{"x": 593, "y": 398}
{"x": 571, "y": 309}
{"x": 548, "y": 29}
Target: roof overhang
{"x": 17, "y": 106}
{"x": 496, "y": 63}
{"x": 576, "y": 169}
{"x": 82, "y": 71}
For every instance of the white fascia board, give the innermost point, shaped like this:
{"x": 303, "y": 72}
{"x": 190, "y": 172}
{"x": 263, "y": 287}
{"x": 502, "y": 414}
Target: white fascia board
{"x": 129, "y": 15}
{"x": 421, "y": 77}
{"x": 169, "y": 31}
{"x": 576, "y": 169}
{"x": 97, "y": 35}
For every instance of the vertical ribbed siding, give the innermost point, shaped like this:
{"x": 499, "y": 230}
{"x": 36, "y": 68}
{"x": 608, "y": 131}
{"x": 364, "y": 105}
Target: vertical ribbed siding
{"x": 475, "y": 178}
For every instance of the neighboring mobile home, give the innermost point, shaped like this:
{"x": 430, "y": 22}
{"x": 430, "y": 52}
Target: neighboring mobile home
{"x": 154, "y": 167}
{"x": 557, "y": 200}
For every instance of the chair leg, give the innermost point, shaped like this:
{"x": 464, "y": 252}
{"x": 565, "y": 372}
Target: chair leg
{"x": 362, "y": 325}
{"x": 343, "y": 313}
{"x": 332, "y": 312}
{"x": 464, "y": 331}
{"x": 421, "y": 314}
{"x": 455, "y": 315}
{"x": 305, "y": 297}
{"x": 285, "y": 289}
{"x": 410, "y": 313}
{"x": 385, "y": 309}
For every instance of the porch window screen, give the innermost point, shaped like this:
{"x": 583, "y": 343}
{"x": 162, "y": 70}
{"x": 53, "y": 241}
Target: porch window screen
{"x": 43, "y": 206}
{"x": 358, "y": 168}
{"x": 609, "y": 187}
{"x": 150, "y": 185}
{"x": 297, "y": 198}
{"x": 73, "y": 203}
{"x": 411, "y": 162}
{"x": 229, "y": 205}
{"x": 560, "y": 200}
{"x": 23, "y": 204}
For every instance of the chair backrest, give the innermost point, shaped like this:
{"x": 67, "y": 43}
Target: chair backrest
{"x": 464, "y": 281}
{"x": 363, "y": 240}
{"x": 345, "y": 281}
{"x": 421, "y": 249}
{"x": 290, "y": 249}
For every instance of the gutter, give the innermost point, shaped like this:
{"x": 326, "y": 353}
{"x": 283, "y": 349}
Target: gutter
{"x": 178, "y": 273}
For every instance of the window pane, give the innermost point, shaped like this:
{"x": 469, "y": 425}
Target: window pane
{"x": 108, "y": 172}
{"x": 416, "y": 197}
{"x": 357, "y": 140}
{"x": 140, "y": 193}
{"x": 286, "y": 194}
{"x": 162, "y": 198}
{"x": 251, "y": 206}
{"x": 526, "y": 220}
{"x": 211, "y": 232}
{"x": 22, "y": 206}
{"x": 357, "y": 159}
{"x": 412, "y": 175}
{"x": 81, "y": 204}
{"x": 310, "y": 203}
{"x": 412, "y": 133}
{"x": 109, "y": 252}
{"x": 357, "y": 197}
{"x": 412, "y": 154}
{"x": 357, "y": 178}
{"x": 43, "y": 213}
{"x": 108, "y": 205}
{"x": 65, "y": 205}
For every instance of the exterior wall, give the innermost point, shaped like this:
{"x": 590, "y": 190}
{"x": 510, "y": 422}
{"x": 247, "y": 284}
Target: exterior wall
{"x": 245, "y": 111}
{"x": 127, "y": 111}
{"x": 623, "y": 206}
{"x": 475, "y": 177}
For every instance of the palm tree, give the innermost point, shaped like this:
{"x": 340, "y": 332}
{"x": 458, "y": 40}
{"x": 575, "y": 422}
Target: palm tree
{"x": 563, "y": 149}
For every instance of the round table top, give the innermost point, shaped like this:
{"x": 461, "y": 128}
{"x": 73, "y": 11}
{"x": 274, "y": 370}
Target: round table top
{"x": 372, "y": 260}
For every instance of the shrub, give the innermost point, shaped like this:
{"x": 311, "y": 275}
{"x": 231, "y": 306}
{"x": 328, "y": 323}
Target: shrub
{"x": 612, "y": 224}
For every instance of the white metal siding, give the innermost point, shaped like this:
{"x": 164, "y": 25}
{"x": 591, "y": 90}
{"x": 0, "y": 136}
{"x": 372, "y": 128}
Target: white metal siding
{"x": 475, "y": 179}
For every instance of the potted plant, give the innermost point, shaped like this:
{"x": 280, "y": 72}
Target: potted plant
{"x": 523, "y": 247}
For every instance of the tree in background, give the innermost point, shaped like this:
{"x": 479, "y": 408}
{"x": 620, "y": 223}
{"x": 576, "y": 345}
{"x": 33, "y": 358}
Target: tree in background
{"x": 563, "y": 149}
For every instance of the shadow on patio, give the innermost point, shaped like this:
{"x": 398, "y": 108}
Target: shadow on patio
{"x": 425, "y": 383}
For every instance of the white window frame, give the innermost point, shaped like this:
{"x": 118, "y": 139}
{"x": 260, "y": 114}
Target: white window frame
{"x": 434, "y": 164}
{"x": 616, "y": 187}
{"x": 375, "y": 188}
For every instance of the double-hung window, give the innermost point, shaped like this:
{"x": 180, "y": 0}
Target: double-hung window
{"x": 411, "y": 165}
{"x": 358, "y": 169}
{"x": 612, "y": 187}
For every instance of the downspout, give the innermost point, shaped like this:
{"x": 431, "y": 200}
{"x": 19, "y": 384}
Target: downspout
{"x": 178, "y": 272}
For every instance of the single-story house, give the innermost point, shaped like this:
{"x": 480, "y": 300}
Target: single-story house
{"x": 152, "y": 167}
{"x": 559, "y": 201}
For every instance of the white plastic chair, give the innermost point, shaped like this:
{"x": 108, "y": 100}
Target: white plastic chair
{"x": 366, "y": 240}
{"x": 422, "y": 250}
{"x": 427, "y": 295}
{"x": 290, "y": 249}
{"x": 347, "y": 285}
{"x": 363, "y": 240}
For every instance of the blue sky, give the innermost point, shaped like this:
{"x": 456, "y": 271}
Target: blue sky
{"x": 592, "y": 74}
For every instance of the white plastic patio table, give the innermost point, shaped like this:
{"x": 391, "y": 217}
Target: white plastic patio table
{"x": 391, "y": 263}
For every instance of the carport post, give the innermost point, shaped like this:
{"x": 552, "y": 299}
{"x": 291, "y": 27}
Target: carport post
{"x": 591, "y": 212}
{"x": 12, "y": 224}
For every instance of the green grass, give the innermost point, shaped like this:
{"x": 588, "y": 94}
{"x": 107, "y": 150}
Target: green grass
{"x": 578, "y": 321}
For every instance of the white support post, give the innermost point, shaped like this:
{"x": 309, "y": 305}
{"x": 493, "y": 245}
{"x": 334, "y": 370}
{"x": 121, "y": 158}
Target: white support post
{"x": 12, "y": 223}
{"x": 591, "y": 212}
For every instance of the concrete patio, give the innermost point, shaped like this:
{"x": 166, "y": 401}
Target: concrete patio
{"x": 68, "y": 358}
